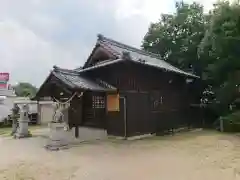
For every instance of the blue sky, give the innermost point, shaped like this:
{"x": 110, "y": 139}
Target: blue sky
{"x": 37, "y": 34}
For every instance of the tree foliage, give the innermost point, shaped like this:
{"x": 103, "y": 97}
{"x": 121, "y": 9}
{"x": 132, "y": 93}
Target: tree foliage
{"x": 25, "y": 89}
{"x": 219, "y": 52}
{"x": 207, "y": 42}
{"x": 176, "y": 37}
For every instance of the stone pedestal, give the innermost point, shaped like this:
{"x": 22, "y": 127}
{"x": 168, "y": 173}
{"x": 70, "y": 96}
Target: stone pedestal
{"x": 22, "y": 130}
{"x": 57, "y": 138}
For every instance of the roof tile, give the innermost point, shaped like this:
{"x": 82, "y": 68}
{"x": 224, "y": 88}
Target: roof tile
{"x": 140, "y": 56}
{"x": 75, "y": 80}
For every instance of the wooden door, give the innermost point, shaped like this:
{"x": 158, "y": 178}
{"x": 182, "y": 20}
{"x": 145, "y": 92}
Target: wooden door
{"x": 116, "y": 121}
{"x": 138, "y": 115}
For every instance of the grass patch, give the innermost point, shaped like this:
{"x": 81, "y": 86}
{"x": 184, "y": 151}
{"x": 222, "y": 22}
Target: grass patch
{"x": 34, "y": 127}
{"x": 7, "y": 130}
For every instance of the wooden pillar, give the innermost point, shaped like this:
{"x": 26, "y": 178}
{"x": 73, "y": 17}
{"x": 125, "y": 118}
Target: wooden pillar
{"x": 76, "y": 131}
{"x": 106, "y": 112}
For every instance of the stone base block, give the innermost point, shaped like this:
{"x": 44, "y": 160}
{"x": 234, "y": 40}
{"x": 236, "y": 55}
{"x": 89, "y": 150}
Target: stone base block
{"x": 20, "y": 135}
{"x": 57, "y": 137}
{"x": 56, "y": 145}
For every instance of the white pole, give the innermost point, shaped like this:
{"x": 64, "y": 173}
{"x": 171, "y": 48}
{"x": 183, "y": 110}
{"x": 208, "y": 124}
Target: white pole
{"x": 221, "y": 125}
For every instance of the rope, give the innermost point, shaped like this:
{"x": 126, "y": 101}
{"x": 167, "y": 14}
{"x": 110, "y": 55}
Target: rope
{"x": 70, "y": 99}
{"x": 66, "y": 102}
{"x": 62, "y": 105}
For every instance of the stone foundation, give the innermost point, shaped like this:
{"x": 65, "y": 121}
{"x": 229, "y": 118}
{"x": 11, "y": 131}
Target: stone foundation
{"x": 61, "y": 139}
{"x": 57, "y": 137}
{"x": 86, "y": 134}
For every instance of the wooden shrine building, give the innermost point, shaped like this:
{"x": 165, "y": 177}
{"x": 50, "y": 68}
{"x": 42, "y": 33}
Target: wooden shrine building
{"x": 124, "y": 90}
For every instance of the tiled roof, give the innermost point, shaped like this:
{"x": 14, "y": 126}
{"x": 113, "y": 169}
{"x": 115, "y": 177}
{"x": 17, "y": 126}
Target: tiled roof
{"x": 74, "y": 80}
{"x": 138, "y": 56}
{"x": 78, "y": 69}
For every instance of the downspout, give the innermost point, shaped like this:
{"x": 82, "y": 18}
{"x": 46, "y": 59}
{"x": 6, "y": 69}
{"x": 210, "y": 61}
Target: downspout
{"x": 38, "y": 112}
{"x": 125, "y": 118}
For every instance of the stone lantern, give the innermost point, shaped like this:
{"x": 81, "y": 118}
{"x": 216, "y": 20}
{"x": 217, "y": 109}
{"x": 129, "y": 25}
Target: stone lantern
{"x": 23, "y": 121}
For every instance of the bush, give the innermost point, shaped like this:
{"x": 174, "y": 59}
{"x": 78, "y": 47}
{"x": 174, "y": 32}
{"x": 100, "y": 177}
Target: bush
{"x": 231, "y": 122}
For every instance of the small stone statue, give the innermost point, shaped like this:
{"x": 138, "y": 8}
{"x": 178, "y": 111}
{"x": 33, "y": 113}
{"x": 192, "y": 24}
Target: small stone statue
{"x": 25, "y": 109}
{"x": 58, "y": 115}
{"x": 58, "y": 127}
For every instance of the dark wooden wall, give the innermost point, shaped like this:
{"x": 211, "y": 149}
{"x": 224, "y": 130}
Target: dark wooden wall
{"x": 156, "y": 100}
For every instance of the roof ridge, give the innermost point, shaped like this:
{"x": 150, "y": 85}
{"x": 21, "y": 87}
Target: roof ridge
{"x": 105, "y": 84}
{"x": 65, "y": 71}
{"x": 78, "y": 68}
{"x": 103, "y": 39}
{"x": 107, "y": 47}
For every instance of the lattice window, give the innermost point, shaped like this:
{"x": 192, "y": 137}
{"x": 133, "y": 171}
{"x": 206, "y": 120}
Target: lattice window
{"x": 98, "y": 102}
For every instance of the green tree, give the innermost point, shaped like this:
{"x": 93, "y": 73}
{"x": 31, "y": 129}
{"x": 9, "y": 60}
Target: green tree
{"x": 176, "y": 37}
{"x": 25, "y": 89}
{"x": 219, "y": 50}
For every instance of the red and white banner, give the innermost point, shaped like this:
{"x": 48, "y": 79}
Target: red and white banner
{"x": 4, "y": 77}
{"x": 3, "y": 86}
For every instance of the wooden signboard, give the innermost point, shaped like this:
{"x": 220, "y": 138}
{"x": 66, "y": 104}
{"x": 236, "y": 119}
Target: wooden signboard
{"x": 113, "y": 102}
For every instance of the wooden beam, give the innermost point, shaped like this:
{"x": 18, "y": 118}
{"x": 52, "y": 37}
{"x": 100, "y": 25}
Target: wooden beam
{"x": 76, "y": 131}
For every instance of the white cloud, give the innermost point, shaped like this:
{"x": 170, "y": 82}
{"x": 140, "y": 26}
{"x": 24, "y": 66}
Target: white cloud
{"x": 150, "y": 9}
{"x": 25, "y": 54}
{"x": 208, "y": 4}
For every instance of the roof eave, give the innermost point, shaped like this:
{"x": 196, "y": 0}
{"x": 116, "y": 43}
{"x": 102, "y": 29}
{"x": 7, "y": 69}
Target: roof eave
{"x": 184, "y": 74}
{"x": 101, "y": 65}
{"x": 106, "y": 90}
{"x": 78, "y": 88}
{"x": 39, "y": 90}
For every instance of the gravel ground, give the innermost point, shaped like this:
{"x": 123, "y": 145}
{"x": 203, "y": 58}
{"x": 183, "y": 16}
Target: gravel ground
{"x": 187, "y": 156}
